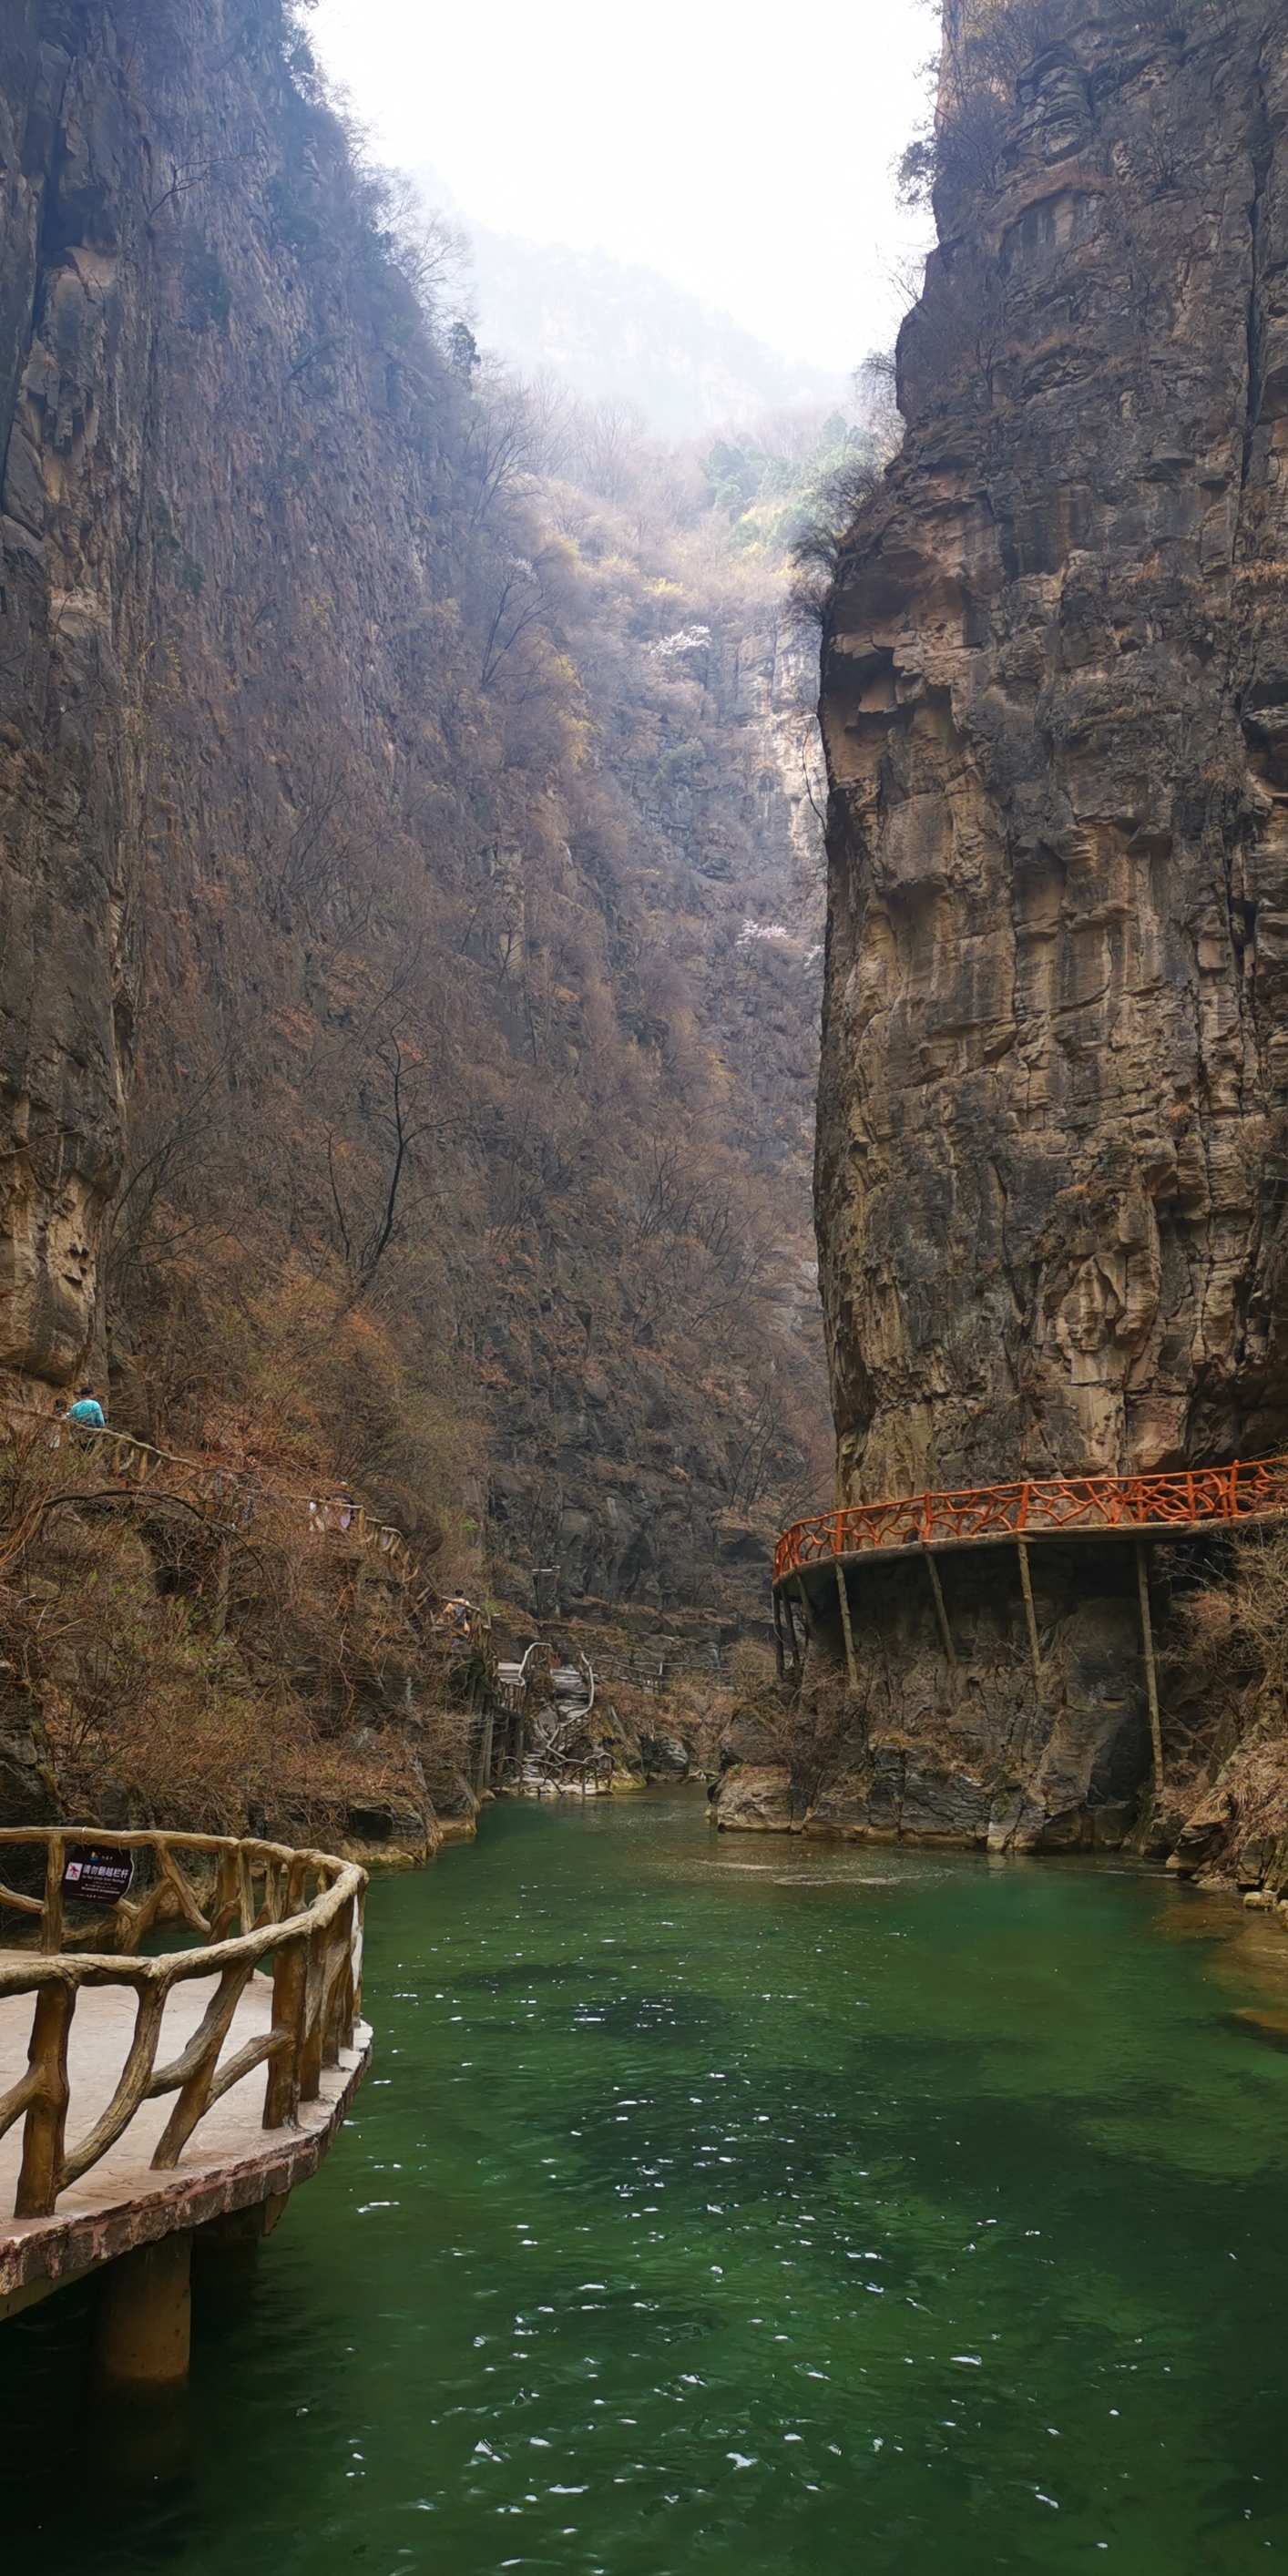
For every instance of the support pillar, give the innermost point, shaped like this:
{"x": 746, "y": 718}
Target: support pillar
{"x": 1151, "y": 1678}
{"x": 850, "y": 1664}
{"x": 944, "y": 1630}
{"x": 143, "y": 2320}
{"x": 225, "y": 2255}
{"x": 777, "y": 1609}
{"x": 805, "y": 1614}
{"x": 793, "y": 1640}
{"x": 1031, "y": 1618}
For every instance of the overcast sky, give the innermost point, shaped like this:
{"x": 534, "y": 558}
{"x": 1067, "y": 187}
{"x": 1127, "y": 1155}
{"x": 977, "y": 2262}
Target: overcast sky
{"x": 743, "y": 149}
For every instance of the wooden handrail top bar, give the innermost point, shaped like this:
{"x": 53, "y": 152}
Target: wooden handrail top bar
{"x": 316, "y": 1949}
{"x": 113, "y": 1967}
{"x": 1045, "y": 1507}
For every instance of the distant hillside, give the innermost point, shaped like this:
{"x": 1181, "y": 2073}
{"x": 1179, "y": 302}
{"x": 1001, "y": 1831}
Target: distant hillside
{"x": 614, "y": 332}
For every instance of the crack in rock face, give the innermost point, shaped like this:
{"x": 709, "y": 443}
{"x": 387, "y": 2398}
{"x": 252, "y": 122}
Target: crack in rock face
{"x": 1053, "y": 1137}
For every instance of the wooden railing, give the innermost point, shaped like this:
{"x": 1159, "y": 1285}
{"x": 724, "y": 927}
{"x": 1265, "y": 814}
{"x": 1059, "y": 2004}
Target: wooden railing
{"x": 1182, "y": 1497}
{"x": 354, "y": 1524}
{"x": 228, "y": 1495}
{"x": 316, "y": 1948}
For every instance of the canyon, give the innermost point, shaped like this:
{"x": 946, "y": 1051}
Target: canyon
{"x": 410, "y": 799}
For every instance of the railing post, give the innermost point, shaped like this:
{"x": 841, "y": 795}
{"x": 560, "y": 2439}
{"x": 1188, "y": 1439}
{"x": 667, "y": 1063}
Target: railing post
{"x": 355, "y": 1956}
{"x": 51, "y": 1920}
{"x": 339, "y": 1982}
{"x": 290, "y": 1974}
{"x": 313, "y": 2031}
{"x": 46, "y": 2122}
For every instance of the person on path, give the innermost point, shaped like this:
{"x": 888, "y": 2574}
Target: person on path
{"x": 87, "y": 1412}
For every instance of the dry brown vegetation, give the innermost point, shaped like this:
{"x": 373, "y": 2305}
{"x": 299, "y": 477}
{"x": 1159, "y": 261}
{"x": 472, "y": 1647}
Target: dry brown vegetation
{"x": 197, "y": 1657}
{"x": 473, "y": 1047}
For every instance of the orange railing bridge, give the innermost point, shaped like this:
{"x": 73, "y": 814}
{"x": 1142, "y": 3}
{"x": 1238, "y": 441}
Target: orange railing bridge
{"x": 1168, "y": 1505}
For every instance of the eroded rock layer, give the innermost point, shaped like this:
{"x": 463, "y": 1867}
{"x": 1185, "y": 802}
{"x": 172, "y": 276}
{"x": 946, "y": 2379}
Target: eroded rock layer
{"x": 1053, "y": 1145}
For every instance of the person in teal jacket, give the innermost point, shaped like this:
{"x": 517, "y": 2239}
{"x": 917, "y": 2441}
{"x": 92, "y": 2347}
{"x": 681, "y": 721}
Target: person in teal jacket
{"x": 87, "y": 1412}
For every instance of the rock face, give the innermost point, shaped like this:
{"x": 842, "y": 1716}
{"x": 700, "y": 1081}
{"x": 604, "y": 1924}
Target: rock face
{"x": 74, "y": 381}
{"x": 251, "y": 538}
{"x": 1052, "y": 1163}
{"x": 1053, "y": 1144}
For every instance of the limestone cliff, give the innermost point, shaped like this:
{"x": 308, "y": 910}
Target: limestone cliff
{"x": 1052, "y": 1163}
{"x": 73, "y": 402}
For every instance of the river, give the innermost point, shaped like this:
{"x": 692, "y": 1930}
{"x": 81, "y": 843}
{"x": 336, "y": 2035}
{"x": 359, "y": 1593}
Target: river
{"x": 720, "y": 2204}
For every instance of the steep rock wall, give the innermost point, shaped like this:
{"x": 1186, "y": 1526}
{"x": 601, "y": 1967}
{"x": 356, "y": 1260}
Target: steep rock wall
{"x": 75, "y": 371}
{"x": 1051, "y": 1172}
{"x": 294, "y": 797}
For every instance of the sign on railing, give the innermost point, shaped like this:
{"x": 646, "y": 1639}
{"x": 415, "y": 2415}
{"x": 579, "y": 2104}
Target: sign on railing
{"x": 94, "y": 1877}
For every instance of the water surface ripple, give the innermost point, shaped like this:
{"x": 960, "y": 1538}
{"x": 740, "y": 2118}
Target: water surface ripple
{"x": 723, "y": 2204}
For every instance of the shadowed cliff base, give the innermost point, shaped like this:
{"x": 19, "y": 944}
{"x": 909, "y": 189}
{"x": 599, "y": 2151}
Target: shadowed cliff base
{"x": 980, "y": 1750}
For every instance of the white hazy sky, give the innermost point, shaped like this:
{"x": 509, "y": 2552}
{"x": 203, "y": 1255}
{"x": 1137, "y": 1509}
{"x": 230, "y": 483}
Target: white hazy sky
{"x": 744, "y": 148}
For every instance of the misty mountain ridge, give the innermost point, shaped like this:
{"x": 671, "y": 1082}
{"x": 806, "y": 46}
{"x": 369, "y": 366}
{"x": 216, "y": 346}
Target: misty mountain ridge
{"x": 616, "y": 332}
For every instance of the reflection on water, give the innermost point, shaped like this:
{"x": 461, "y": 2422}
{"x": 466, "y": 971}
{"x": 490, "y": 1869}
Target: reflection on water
{"x": 725, "y": 2208}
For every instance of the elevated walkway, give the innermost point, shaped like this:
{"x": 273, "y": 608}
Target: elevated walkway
{"x": 815, "y": 1558}
{"x": 116, "y": 1463}
{"x": 1063, "y": 1507}
{"x": 146, "y": 2098}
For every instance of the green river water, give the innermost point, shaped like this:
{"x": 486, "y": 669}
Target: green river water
{"x": 726, "y": 2205}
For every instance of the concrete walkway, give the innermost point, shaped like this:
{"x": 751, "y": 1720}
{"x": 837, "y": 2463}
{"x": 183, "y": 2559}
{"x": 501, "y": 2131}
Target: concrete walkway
{"x": 231, "y": 2161}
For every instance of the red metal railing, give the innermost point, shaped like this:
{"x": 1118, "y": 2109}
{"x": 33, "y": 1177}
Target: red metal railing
{"x": 1184, "y": 1496}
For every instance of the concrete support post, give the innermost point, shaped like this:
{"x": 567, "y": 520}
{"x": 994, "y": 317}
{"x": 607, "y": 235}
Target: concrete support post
{"x": 780, "y": 1664}
{"x": 944, "y": 1630}
{"x": 808, "y": 1619}
{"x": 1151, "y": 1678}
{"x": 1031, "y": 1618}
{"x": 142, "y": 2323}
{"x": 844, "y": 1598}
{"x": 793, "y": 1640}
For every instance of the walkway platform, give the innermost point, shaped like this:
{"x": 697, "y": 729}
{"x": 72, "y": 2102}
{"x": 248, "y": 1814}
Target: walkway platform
{"x": 1175, "y": 1504}
{"x": 147, "y": 2093}
{"x": 816, "y": 1558}
{"x": 230, "y": 2163}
